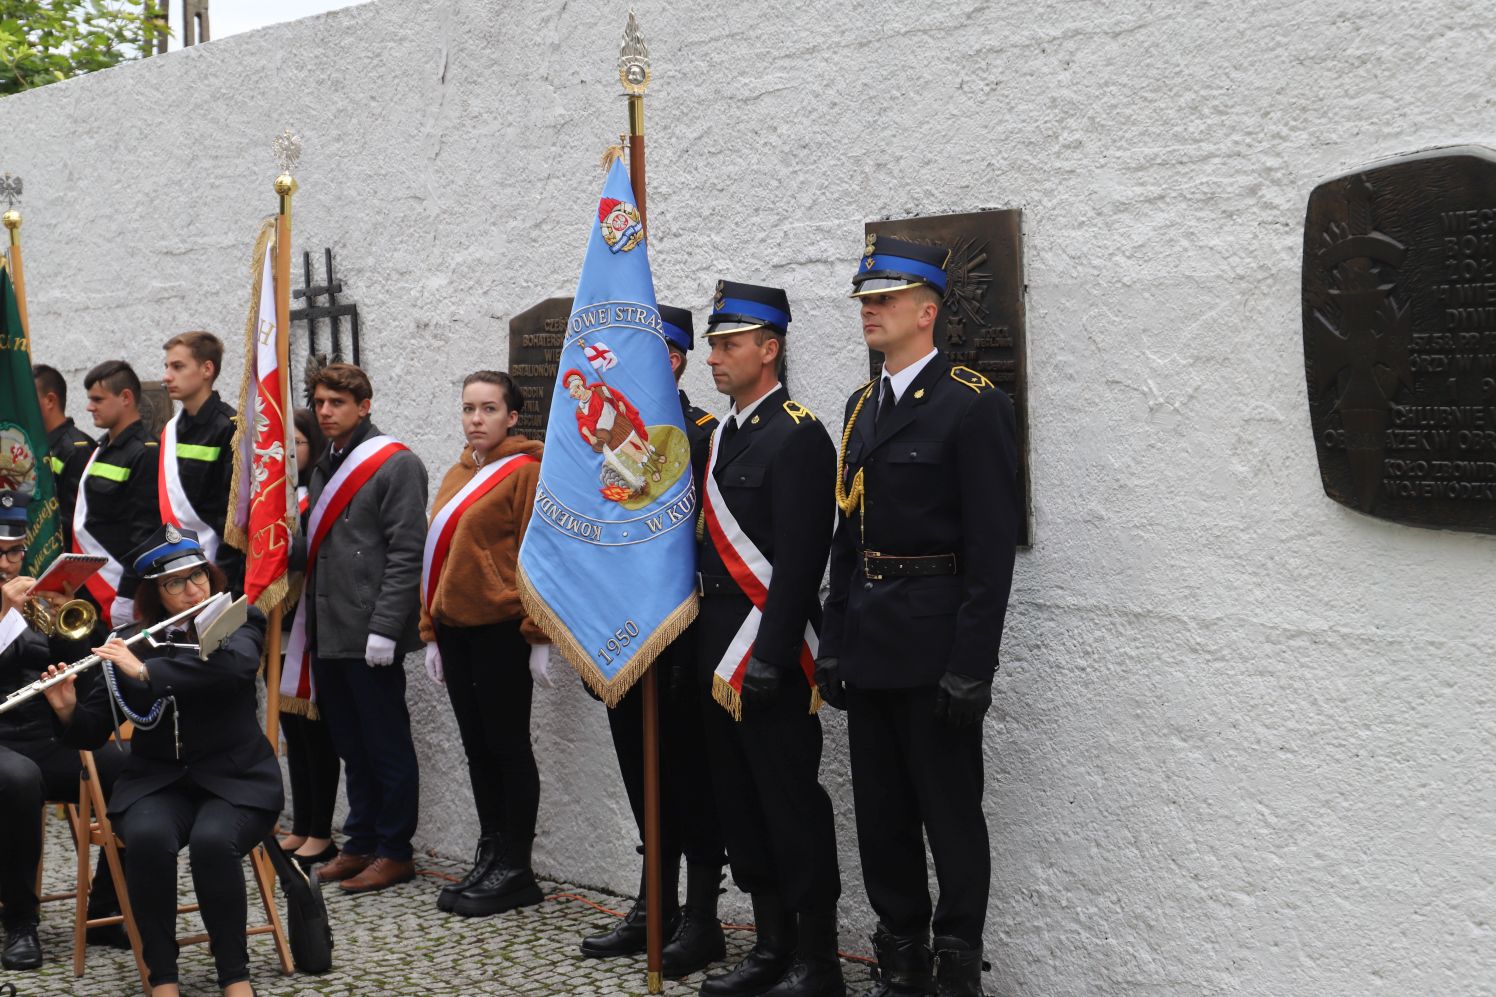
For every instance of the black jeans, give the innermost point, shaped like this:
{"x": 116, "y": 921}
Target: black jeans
{"x": 914, "y": 776}
{"x": 364, "y": 708}
{"x": 314, "y": 768}
{"x": 488, "y": 682}
{"x": 218, "y": 835}
{"x": 31, "y": 773}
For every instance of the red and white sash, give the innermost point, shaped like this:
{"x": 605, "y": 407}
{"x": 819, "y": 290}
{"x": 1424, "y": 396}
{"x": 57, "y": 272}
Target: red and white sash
{"x": 444, "y": 523}
{"x": 103, "y": 584}
{"x": 302, "y": 499}
{"x": 751, "y": 570}
{"x": 359, "y": 466}
{"x": 176, "y": 508}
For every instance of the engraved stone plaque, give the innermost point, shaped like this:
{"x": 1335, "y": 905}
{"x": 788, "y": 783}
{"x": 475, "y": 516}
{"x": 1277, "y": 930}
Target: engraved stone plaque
{"x": 1399, "y": 289}
{"x": 535, "y": 337}
{"x": 981, "y": 321}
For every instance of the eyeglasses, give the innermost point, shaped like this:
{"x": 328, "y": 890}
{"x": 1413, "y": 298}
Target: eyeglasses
{"x": 199, "y": 578}
{"x": 13, "y": 554}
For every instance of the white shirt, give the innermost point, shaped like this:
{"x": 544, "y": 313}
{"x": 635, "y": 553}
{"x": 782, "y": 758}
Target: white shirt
{"x": 743, "y": 415}
{"x": 900, "y": 382}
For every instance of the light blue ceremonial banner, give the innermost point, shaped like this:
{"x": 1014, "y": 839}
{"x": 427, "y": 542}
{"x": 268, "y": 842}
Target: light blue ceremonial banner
{"x": 608, "y": 565}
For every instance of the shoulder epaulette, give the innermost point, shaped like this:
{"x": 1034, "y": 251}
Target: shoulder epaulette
{"x": 965, "y": 375}
{"x": 708, "y": 417}
{"x": 798, "y": 411}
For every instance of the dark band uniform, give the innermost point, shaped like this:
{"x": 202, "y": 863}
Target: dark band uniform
{"x": 68, "y": 450}
{"x": 688, "y": 816}
{"x": 205, "y": 778}
{"x": 121, "y": 491}
{"x": 205, "y": 461}
{"x": 920, "y": 572}
{"x": 776, "y": 472}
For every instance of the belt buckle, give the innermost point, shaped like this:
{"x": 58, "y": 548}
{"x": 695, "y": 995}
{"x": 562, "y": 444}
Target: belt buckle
{"x": 867, "y": 569}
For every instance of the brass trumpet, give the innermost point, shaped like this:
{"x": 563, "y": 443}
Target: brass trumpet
{"x": 73, "y": 620}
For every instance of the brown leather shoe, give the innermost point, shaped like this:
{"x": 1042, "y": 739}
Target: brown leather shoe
{"x": 382, "y": 873}
{"x": 345, "y": 866}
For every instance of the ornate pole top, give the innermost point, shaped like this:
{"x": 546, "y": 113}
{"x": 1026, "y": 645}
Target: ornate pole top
{"x": 10, "y": 189}
{"x": 287, "y": 150}
{"x": 633, "y": 59}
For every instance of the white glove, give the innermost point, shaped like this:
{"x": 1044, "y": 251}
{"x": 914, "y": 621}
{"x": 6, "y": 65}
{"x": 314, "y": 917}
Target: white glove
{"x": 122, "y": 612}
{"x": 540, "y": 662}
{"x": 434, "y": 664}
{"x": 379, "y": 651}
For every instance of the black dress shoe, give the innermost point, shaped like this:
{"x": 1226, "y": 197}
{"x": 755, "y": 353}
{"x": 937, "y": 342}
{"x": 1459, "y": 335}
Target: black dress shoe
{"x": 628, "y": 937}
{"x": 772, "y": 953}
{"x": 307, "y": 861}
{"x": 23, "y": 950}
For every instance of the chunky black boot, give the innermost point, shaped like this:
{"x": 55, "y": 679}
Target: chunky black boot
{"x": 773, "y": 951}
{"x": 816, "y": 968}
{"x": 630, "y": 936}
{"x": 508, "y": 884}
{"x": 904, "y": 965}
{"x": 484, "y": 857}
{"x": 698, "y": 940}
{"x": 958, "y": 968}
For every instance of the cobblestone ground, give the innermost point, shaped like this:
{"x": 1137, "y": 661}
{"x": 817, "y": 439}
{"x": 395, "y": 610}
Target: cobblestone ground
{"x": 394, "y": 942}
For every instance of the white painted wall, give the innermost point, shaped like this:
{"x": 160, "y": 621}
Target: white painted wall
{"x": 1243, "y": 736}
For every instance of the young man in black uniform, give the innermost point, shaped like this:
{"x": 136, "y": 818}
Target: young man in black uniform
{"x": 68, "y": 447}
{"x": 920, "y": 572}
{"x": 688, "y": 816}
{"x": 198, "y": 468}
{"x": 764, "y": 534}
{"x": 117, "y": 506}
{"x": 35, "y": 766}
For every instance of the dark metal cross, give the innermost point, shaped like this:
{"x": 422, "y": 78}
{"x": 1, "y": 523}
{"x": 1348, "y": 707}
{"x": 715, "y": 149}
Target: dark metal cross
{"x": 334, "y": 312}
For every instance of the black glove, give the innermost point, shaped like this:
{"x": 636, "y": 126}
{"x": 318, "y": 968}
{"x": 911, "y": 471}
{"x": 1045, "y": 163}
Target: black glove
{"x": 961, "y": 700}
{"x": 828, "y": 680}
{"x": 760, "y": 683}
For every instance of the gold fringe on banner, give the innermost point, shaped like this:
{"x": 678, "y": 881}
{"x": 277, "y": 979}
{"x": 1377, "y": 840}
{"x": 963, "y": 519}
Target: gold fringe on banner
{"x": 299, "y": 707}
{"x": 732, "y": 701}
{"x": 233, "y": 533}
{"x": 580, "y": 658}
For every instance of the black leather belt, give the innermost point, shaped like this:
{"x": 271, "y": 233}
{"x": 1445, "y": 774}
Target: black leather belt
{"x": 877, "y": 566}
{"x": 716, "y": 585}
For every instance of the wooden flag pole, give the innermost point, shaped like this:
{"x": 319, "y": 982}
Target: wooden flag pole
{"x": 12, "y": 220}
{"x": 285, "y": 186}
{"x": 633, "y": 73}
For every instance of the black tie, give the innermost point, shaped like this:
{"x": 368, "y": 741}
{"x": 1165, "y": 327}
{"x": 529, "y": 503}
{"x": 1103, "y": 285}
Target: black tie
{"x": 885, "y": 400}
{"x": 729, "y": 431}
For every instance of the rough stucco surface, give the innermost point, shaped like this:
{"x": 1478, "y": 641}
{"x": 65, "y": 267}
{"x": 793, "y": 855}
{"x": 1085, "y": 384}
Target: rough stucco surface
{"x": 1242, "y": 737}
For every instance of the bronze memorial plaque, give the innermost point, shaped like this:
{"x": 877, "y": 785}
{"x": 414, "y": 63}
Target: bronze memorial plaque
{"x": 1400, "y": 338}
{"x": 535, "y": 337}
{"x": 981, "y": 322}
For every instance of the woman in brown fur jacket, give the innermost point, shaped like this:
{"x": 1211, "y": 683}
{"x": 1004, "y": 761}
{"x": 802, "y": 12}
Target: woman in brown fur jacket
{"x": 480, "y": 644}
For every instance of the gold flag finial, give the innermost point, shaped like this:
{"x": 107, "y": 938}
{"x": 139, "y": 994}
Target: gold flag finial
{"x": 633, "y": 59}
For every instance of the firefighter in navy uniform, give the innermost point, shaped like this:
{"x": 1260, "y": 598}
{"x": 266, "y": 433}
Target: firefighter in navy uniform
{"x": 68, "y": 447}
{"x": 764, "y": 535}
{"x": 920, "y": 572}
{"x": 688, "y": 816}
{"x": 117, "y": 505}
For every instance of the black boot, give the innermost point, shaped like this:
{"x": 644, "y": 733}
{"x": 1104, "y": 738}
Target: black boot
{"x": 508, "y": 884}
{"x": 23, "y": 950}
{"x": 773, "y": 951}
{"x": 698, "y": 940}
{"x": 958, "y": 968}
{"x": 631, "y": 935}
{"x": 483, "y": 859}
{"x": 904, "y": 965}
{"x": 816, "y": 969}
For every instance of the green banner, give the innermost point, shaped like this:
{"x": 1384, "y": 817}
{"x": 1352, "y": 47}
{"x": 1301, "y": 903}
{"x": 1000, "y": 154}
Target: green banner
{"x": 23, "y": 440}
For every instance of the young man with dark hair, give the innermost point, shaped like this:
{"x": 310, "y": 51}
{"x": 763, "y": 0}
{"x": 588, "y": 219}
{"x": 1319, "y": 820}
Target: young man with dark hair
{"x": 688, "y": 816}
{"x": 359, "y": 616}
{"x": 68, "y": 447}
{"x": 117, "y": 506}
{"x": 762, "y": 543}
{"x": 920, "y": 574}
{"x": 197, "y": 454}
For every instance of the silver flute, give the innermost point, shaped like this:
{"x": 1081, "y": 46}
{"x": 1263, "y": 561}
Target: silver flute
{"x": 148, "y": 636}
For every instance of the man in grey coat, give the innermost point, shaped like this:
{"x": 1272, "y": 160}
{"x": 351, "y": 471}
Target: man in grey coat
{"x": 363, "y": 591}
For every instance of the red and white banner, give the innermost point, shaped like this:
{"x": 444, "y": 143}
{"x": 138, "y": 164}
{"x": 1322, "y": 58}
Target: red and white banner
{"x": 444, "y": 523}
{"x": 176, "y": 508}
{"x": 752, "y": 571}
{"x": 359, "y": 466}
{"x": 262, "y": 508}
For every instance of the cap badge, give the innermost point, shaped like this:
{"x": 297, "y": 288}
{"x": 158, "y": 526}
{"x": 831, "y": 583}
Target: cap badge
{"x": 172, "y": 536}
{"x": 7, "y": 501}
{"x": 872, "y": 241}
